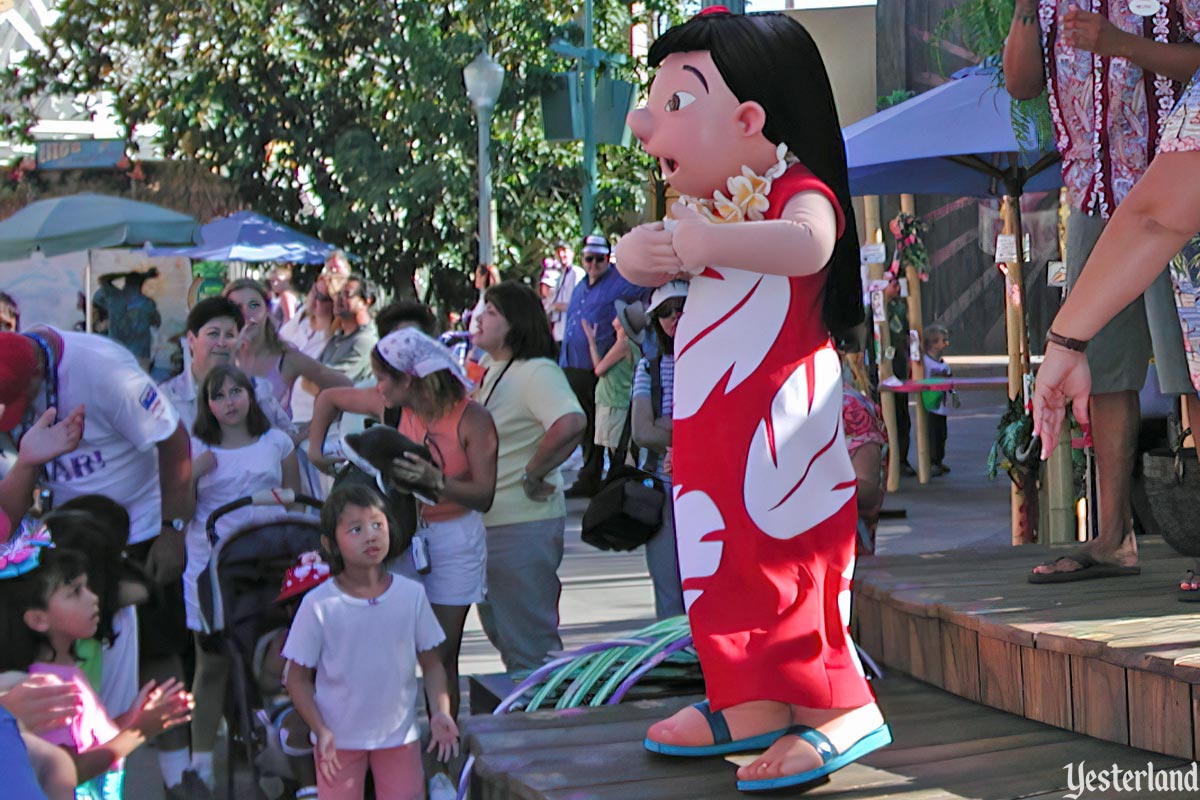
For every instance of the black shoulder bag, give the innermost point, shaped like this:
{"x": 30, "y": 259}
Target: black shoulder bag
{"x": 628, "y": 509}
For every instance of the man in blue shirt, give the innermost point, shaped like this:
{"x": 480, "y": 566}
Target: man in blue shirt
{"x": 593, "y": 301}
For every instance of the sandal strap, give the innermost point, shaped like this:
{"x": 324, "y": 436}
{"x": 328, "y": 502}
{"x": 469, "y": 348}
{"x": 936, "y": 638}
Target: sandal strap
{"x": 716, "y": 723}
{"x": 819, "y": 741}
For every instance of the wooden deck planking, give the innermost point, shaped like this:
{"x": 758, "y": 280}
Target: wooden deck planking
{"x": 945, "y": 747}
{"x": 1108, "y": 658}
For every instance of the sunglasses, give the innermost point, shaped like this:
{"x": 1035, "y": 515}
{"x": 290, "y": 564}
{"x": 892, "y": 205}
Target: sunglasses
{"x": 594, "y": 259}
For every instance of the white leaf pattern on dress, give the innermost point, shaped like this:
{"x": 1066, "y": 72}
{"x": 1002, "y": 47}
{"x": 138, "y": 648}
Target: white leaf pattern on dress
{"x": 696, "y": 516}
{"x": 798, "y": 471}
{"x": 729, "y": 325}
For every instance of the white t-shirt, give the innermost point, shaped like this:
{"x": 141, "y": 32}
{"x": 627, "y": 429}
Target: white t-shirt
{"x": 119, "y": 677}
{"x": 239, "y": 472}
{"x": 562, "y": 294}
{"x": 365, "y": 654}
{"x": 126, "y": 417}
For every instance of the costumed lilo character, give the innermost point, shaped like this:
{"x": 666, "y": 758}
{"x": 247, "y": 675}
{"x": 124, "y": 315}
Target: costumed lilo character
{"x": 742, "y": 121}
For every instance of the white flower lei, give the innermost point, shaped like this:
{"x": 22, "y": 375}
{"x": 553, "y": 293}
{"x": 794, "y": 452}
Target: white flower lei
{"x": 748, "y": 192}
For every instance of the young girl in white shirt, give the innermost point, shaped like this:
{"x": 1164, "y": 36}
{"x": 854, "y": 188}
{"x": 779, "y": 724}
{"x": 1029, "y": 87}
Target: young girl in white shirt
{"x": 235, "y": 453}
{"x": 352, "y": 653}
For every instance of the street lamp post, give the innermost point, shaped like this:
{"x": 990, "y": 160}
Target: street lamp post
{"x": 484, "y": 78}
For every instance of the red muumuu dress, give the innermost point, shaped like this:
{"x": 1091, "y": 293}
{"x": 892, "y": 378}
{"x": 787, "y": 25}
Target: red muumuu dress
{"x": 764, "y": 490}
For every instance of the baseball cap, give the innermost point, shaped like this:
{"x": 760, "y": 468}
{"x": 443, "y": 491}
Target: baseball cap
{"x": 667, "y": 291}
{"x": 308, "y": 572}
{"x": 18, "y": 367}
{"x": 596, "y": 244}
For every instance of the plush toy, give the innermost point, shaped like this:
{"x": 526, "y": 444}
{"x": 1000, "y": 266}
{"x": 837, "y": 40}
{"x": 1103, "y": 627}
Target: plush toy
{"x": 742, "y": 121}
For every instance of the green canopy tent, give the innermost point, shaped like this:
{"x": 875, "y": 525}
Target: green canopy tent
{"x": 87, "y": 221}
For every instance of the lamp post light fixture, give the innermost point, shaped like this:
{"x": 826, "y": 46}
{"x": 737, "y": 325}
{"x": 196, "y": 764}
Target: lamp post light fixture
{"x": 484, "y": 78}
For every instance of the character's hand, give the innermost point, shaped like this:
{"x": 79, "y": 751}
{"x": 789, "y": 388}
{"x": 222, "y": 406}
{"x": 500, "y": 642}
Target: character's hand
{"x": 443, "y": 735}
{"x": 1063, "y": 376}
{"x": 1084, "y": 30}
{"x": 48, "y": 439}
{"x": 43, "y": 702}
{"x": 690, "y": 237}
{"x": 326, "y": 752}
{"x": 646, "y": 257}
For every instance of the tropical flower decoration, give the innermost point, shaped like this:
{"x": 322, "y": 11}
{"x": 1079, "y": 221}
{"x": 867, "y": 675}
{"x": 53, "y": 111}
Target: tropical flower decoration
{"x": 747, "y": 198}
{"x": 20, "y": 553}
{"x": 910, "y": 245}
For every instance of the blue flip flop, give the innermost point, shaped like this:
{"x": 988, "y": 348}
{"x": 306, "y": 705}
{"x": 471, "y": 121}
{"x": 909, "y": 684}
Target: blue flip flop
{"x": 833, "y": 760}
{"x": 723, "y": 741}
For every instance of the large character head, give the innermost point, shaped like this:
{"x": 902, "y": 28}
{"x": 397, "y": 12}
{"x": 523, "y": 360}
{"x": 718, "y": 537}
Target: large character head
{"x": 729, "y": 88}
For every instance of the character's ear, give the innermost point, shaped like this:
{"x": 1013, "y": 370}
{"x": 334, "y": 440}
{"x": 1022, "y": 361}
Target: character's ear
{"x": 38, "y": 620}
{"x": 751, "y": 118}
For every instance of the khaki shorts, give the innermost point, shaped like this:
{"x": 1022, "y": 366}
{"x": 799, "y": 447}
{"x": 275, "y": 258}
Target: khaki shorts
{"x": 1120, "y": 353}
{"x": 609, "y": 424}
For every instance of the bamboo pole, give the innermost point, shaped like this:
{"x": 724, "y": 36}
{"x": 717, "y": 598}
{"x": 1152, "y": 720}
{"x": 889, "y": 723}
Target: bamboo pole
{"x": 1061, "y": 518}
{"x": 916, "y": 361}
{"x": 1018, "y": 348}
{"x": 883, "y": 335}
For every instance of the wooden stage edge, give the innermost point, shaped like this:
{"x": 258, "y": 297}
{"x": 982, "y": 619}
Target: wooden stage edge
{"x": 1116, "y": 659}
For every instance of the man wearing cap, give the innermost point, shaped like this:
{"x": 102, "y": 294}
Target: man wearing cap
{"x": 569, "y": 276}
{"x": 135, "y": 451}
{"x": 593, "y": 301}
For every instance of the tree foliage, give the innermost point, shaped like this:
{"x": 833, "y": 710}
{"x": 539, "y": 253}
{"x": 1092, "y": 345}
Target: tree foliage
{"x": 358, "y": 105}
{"x": 983, "y": 26}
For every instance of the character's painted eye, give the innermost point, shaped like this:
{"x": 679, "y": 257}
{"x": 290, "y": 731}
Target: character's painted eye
{"x": 680, "y": 100}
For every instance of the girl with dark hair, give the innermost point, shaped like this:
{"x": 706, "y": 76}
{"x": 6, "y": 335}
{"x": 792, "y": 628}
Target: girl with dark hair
{"x": 353, "y": 650}
{"x": 235, "y": 453}
{"x": 539, "y": 422}
{"x": 262, "y": 354}
{"x": 742, "y": 121}
{"x": 45, "y": 608}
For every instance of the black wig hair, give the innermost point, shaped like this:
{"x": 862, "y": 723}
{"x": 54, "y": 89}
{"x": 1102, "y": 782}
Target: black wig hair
{"x": 529, "y": 333}
{"x": 206, "y": 427}
{"x": 363, "y": 496}
{"x": 771, "y": 59}
{"x": 98, "y": 527}
{"x": 57, "y": 567}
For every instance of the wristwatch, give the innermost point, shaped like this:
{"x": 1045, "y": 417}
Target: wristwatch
{"x": 176, "y": 524}
{"x": 1078, "y": 345}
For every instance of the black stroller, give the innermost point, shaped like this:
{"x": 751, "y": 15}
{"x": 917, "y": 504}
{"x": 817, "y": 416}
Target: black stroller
{"x": 237, "y": 591}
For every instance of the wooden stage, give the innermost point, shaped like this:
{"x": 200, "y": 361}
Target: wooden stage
{"x": 1115, "y": 659}
{"x": 945, "y": 747}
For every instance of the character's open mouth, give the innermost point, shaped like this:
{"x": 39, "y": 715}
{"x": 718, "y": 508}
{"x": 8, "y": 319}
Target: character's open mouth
{"x": 668, "y": 165}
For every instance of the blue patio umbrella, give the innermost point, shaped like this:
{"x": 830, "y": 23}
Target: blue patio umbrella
{"x": 956, "y": 138}
{"x": 252, "y": 237}
{"x": 88, "y": 222}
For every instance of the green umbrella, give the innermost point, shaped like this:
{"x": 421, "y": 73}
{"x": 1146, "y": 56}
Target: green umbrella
{"x": 90, "y": 221}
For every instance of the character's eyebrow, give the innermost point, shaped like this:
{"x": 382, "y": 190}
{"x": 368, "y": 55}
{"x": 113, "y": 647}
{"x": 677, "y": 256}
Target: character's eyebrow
{"x": 703, "y": 82}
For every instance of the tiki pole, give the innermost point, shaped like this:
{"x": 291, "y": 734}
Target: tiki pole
{"x": 883, "y": 336}
{"x": 916, "y": 361}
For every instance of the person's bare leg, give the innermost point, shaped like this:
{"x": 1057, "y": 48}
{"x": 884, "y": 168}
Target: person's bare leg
{"x": 1114, "y": 423}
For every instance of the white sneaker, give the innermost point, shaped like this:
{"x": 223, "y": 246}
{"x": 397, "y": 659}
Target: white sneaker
{"x": 442, "y": 788}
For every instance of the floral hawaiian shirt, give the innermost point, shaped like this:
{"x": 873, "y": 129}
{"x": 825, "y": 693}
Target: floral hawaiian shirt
{"x": 1108, "y": 114}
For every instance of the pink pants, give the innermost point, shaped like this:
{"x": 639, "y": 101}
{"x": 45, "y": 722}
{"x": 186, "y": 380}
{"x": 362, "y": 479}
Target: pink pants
{"x": 397, "y": 770}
